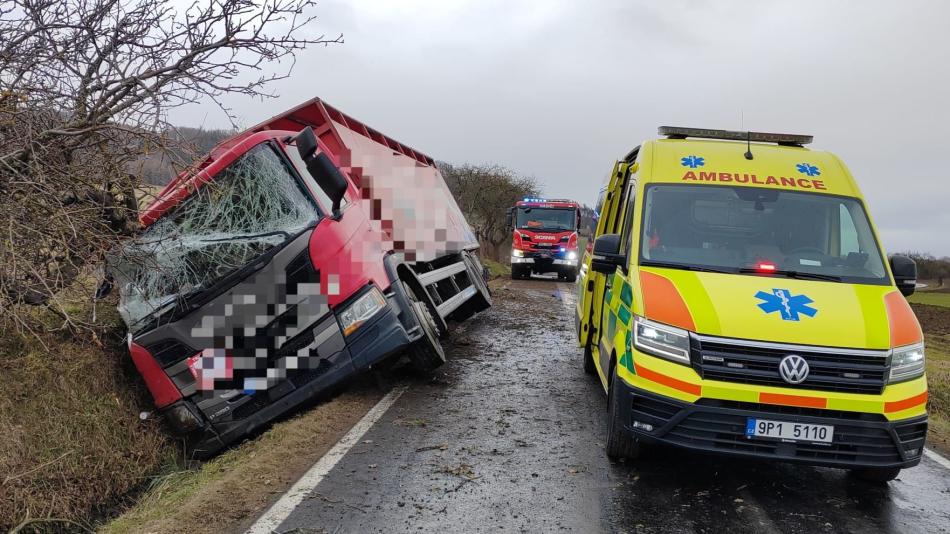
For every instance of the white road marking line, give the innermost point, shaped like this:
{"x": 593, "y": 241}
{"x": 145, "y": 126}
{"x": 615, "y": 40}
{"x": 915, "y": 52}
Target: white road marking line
{"x": 281, "y": 509}
{"x": 945, "y": 463}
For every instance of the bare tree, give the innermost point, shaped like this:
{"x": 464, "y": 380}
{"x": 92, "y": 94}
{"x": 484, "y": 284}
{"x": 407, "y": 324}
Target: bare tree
{"x": 85, "y": 90}
{"x": 483, "y": 193}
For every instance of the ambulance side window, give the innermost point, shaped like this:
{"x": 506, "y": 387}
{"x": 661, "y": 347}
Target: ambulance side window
{"x": 849, "y": 232}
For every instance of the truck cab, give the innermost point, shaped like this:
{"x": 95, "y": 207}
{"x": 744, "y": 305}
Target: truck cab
{"x": 544, "y": 238}
{"x": 294, "y": 255}
{"x": 737, "y": 301}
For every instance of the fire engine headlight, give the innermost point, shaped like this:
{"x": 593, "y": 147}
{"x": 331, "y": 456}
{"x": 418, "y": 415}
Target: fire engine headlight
{"x": 572, "y": 255}
{"x": 907, "y": 362}
{"x": 517, "y": 253}
{"x": 361, "y": 310}
{"x": 661, "y": 340}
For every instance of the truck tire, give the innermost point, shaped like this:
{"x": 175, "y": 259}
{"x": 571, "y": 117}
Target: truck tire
{"x": 877, "y": 475}
{"x": 515, "y": 272}
{"x": 482, "y": 299}
{"x": 570, "y": 276}
{"x": 425, "y": 354}
{"x": 620, "y": 444}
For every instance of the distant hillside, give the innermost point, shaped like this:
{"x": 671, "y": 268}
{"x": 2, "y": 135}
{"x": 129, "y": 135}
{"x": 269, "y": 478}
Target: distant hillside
{"x": 188, "y": 144}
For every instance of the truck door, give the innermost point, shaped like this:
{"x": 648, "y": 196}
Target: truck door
{"x": 593, "y": 284}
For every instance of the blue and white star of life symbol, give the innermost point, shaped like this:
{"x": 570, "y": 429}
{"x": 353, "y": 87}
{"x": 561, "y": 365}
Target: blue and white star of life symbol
{"x": 693, "y": 161}
{"x": 788, "y": 306}
{"x": 808, "y": 169}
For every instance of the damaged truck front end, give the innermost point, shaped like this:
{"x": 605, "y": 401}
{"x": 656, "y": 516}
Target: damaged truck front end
{"x": 269, "y": 274}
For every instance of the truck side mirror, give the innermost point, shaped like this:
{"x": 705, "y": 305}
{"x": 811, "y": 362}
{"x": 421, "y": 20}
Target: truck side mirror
{"x": 905, "y": 274}
{"x": 328, "y": 177}
{"x": 509, "y": 216}
{"x": 606, "y": 256}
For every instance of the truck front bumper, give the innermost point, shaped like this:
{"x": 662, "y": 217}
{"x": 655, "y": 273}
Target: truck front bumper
{"x": 342, "y": 357}
{"x": 717, "y": 426}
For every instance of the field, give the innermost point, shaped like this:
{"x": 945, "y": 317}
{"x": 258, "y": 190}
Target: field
{"x": 933, "y": 298}
{"x": 935, "y": 321}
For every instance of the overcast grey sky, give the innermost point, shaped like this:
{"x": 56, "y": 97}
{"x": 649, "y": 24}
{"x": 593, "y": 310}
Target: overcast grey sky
{"x": 560, "y": 89}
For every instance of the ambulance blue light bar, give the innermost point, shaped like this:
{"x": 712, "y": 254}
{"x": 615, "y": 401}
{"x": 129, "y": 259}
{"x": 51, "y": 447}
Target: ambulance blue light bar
{"x": 676, "y": 132}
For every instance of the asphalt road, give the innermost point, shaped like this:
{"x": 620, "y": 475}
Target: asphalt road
{"x": 508, "y": 437}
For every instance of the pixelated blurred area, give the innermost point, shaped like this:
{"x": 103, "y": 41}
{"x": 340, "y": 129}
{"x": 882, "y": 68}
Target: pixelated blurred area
{"x": 407, "y": 201}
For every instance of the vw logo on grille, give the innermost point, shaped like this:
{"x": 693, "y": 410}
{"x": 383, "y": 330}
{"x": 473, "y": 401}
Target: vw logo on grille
{"x": 793, "y": 368}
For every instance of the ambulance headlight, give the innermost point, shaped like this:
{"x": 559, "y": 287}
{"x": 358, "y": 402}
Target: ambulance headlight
{"x": 907, "y": 362}
{"x": 661, "y": 340}
{"x": 517, "y": 253}
{"x": 361, "y": 310}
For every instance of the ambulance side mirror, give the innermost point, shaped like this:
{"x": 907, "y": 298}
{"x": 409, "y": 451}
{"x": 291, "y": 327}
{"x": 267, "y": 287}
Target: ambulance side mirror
{"x": 905, "y": 274}
{"x": 606, "y": 256}
{"x": 509, "y": 215}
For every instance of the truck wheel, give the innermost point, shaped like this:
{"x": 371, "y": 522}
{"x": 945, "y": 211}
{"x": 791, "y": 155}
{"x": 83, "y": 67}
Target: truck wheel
{"x": 515, "y": 273}
{"x": 482, "y": 299}
{"x": 878, "y": 475}
{"x": 571, "y": 276}
{"x": 425, "y": 353}
{"x": 589, "y": 367}
{"x": 620, "y": 444}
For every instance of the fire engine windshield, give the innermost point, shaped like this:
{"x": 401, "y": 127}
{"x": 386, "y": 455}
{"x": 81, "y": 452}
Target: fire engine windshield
{"x": 546, "y": 219}
{"x": 252, "y": 206}
{"x": 745, "y": 229}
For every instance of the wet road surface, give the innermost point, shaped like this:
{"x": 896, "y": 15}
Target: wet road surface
{"x": 508, "y": 437}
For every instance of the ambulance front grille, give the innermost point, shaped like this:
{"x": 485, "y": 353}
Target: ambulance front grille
{"x": 830, "y": 369}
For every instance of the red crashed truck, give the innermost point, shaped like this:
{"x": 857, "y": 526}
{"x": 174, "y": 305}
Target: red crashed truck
{"x": 544, "y": 238}
{"x": 297, "y": 253}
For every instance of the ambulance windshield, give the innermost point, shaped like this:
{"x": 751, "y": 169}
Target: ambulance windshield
{"x": 747, "y": 229}
{"x": 546, "y": 219}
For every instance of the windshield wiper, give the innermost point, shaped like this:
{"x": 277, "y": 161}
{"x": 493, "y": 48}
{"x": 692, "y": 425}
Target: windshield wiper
{"x": 801, "y": 275}
{"x": 684, "y": 266}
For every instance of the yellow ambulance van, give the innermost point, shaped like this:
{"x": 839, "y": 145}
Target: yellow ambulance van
{"x": 737, "y": 301}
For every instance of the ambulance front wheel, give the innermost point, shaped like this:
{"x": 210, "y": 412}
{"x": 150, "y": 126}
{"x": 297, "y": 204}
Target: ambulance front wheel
{"x": 620, "y": 443}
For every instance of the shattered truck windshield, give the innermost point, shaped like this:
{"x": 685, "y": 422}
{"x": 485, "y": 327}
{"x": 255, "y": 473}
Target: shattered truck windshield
{"x": 251, "y": 207}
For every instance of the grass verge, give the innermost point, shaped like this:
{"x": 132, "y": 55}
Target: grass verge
{"x": 230, "y": 491}
{"x": 73, "y": 445}
{"x": 496, "y": 269}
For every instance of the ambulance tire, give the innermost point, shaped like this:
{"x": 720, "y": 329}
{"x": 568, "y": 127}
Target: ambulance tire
{"x": 878, "y": 475}
{"x": 620, "y": 444}
{"x": 589, "y": 367}
{"x": 426, "y": 353}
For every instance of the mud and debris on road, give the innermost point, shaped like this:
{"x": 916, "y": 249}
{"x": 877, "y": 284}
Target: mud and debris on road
{"x": 508, "y": 437}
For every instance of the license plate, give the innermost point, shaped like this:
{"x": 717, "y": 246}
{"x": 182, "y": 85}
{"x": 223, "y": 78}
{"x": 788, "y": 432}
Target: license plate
{"x": 786, "y": 431}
